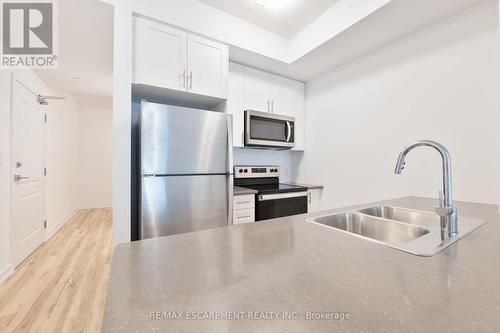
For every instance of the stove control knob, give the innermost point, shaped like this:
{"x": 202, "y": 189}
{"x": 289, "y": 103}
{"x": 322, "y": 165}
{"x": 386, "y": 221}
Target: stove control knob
{"x": 246, "y": 170}
{"x": 240, "y": 171}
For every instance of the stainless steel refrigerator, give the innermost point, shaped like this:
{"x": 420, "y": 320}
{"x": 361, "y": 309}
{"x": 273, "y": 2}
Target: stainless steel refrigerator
{"x": 186, "y": 170}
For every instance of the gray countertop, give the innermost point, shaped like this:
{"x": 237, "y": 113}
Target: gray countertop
{"x": 289, "y": 265}
{"x": 237, "y": 190}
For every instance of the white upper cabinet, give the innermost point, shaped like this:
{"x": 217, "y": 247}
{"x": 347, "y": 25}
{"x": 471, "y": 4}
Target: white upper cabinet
{"x": 279, "y": 94}
{"x": 169, "y": 58}
{"x": 252, "y": 89}
{"x": 207, "y": 67}
{"x": 257, "y": 90}
{"x": 160, "y": 55}
{"x": 266, "y": 92}
{"x": 236, "y": 101}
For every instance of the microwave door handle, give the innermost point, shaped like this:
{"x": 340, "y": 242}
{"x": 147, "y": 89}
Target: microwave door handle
{"x": 288, "y": 131}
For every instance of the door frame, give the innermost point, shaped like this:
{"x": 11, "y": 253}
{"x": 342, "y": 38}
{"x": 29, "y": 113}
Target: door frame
{"x": 14, "y": 251}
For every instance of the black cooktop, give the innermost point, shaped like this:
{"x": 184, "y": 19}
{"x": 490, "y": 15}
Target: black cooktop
{"x": 275, "y": 188}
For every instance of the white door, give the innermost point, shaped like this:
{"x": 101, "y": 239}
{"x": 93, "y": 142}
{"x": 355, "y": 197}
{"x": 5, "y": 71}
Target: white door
{"x": 160, "y": 55}
{"x": 207, "y": 67}
{"x": 279, "y": 91}
{"x": 257, "y": 90}
{"x": 27, "y": 173}
{"x": 236, "y": 101}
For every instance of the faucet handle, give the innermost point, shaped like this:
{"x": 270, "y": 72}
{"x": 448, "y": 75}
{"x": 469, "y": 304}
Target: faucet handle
{"x": 444, "y": 211}
{"x": 441, "y": 209}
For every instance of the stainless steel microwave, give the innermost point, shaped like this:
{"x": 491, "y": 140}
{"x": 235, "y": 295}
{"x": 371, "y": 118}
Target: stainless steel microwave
{"x": 263, "y": 129}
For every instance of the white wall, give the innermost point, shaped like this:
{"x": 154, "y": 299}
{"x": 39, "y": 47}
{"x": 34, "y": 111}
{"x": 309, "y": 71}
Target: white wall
{"x": 266, "y": 157}
{"x": 61, "y": 137}
{"x": 60, "y": 155}
{"x": 122, "y": 120}
{"x": 95, "y": 157}
{"x": 5, "y": 94}
{"x": 440, "y": 83}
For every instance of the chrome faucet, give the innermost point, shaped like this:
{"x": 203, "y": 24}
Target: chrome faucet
{"x": 446, "y": 209}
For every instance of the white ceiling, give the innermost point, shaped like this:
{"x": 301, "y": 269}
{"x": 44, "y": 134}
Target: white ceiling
{"x": 86, "y": 39}
{"x": 392, "y": 22}
{"x": 85, "y": 30}
{"x": 286, "y": 21}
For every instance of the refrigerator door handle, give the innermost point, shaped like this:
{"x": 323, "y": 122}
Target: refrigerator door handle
{"x": 230, "y": 200}
{"x": 230, "y": 169}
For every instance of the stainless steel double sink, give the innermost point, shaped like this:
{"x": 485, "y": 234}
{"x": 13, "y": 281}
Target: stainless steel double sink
{"x": 412, "y": 231}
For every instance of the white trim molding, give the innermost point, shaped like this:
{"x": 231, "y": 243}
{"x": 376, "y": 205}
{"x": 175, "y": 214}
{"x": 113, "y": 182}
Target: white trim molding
{"x": 95, "y": 206}
{"x": 53, "y": 231}
{"x": 6, "y": 273}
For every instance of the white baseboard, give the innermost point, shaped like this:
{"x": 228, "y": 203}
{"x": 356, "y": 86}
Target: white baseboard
{"x": 50, "y": 233}
{"x": 6, "y": 273}
{"x": 95, "y": 206}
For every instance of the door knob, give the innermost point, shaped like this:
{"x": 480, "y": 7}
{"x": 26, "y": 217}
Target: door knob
{"x": 19, "y": 177}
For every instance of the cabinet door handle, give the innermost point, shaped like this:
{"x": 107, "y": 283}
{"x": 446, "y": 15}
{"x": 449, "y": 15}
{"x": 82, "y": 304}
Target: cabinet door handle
{"x": 244, "y": 217}
{"x": 190, "y": 80}
{"x": 309, "y": 196}
{"x": 272, "y": 106}
{"x": 184, "y": 79}
{"x": 268, "y": 106}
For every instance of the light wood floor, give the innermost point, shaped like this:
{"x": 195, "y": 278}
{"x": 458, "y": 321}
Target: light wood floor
{"x": 61, "y": 287}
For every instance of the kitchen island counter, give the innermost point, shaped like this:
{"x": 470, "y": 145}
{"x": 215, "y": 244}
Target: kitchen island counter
{"x": 288, "y": 275}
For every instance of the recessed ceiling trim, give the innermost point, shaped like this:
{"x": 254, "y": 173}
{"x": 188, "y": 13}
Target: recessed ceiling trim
{"x": 282, "y": 17}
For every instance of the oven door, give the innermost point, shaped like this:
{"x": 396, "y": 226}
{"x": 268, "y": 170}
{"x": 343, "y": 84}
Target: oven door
{"x": 269, "y": 130}
{"x": 270, "y": 206}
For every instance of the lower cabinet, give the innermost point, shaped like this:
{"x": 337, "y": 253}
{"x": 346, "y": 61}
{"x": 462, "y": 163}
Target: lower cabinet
{"x": 244, "y": 209}
{"x": 314, "y": 203}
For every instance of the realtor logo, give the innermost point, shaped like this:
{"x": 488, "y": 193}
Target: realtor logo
{"x": 28, "y": 34}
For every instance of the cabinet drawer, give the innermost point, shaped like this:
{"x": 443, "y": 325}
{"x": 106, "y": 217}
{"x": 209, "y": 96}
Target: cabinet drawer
{"x": 243, "y": 201}
{"x": 244, "y": 216}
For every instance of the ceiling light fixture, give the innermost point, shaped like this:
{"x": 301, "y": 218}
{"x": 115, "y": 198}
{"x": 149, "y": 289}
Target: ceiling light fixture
{"x": 275, "y": 4}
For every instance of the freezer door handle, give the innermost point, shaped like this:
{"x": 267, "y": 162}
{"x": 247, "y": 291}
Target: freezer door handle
{"x": 229, "y": 144}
